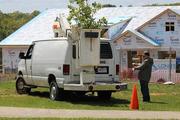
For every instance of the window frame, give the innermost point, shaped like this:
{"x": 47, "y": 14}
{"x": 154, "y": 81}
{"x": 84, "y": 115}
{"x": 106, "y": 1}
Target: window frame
{"x": 169, "y": 26}
{"x": 166, "y": 54}
{"x": 102, "y": 56}
{"x": 29, "y": 52}
{"x": 74, "y": 51}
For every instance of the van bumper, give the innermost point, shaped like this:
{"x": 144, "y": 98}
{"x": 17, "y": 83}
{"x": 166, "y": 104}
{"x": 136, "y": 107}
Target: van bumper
{"x": 114, "y": 87}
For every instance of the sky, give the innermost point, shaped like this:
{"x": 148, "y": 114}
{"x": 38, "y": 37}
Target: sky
{"x": 41, "y": 5}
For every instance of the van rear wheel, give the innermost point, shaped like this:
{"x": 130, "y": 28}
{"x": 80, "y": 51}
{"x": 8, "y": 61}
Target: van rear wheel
{"x": 56, "y": 93}
{"x": 105, "y": 95}
{"x": 21, "y": 86}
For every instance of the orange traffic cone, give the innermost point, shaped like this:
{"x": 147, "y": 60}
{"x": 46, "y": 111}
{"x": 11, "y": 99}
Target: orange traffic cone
{"x": 134, "y": 99}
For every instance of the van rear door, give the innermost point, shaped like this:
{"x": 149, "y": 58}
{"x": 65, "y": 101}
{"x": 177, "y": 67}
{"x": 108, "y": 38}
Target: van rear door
{"x": 105, "y": 72}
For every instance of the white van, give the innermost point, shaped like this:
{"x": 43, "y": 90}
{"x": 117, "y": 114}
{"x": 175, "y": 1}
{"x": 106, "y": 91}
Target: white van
{"x": 53, "y": 63}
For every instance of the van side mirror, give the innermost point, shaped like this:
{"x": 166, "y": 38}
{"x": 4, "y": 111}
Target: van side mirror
{"x": 21, "y": 55}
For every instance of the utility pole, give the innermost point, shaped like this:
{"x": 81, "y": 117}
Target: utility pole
{"x": 169, "y": 82}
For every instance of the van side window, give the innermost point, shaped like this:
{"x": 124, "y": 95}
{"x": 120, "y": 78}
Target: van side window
{"x": 105, "y": 51}
{"x": 74, "y": 51}
{"x": 29, "y": 52}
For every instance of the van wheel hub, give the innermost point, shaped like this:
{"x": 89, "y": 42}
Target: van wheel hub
{"x": 53, "y": 92}
{"x": 56, "y": 93}
{"x": 20, "y": 85}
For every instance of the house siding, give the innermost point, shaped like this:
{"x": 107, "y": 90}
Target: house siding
{"x": 156, "y": 30}
{"x": 11, "y": 58}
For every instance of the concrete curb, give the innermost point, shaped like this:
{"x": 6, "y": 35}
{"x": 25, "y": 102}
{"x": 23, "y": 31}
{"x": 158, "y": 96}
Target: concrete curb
{"x": 13, "y": 112}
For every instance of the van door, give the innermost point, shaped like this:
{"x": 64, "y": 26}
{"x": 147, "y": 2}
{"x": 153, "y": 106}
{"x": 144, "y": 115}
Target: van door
{"x": 105, "y": 71}
{"x": 75, "y": 64}
{"x": 28, "y": 66}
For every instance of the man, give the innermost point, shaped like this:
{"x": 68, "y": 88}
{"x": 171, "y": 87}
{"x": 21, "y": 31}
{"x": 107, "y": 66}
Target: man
{"x": 144, "y": 75}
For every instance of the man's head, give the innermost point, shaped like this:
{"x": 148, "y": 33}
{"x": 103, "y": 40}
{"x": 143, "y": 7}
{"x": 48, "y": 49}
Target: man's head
{"x": 146, "y": 54}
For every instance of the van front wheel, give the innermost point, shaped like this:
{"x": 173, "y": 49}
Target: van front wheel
{"x": 55, "y": 92}
{"x": 21, "y": 86}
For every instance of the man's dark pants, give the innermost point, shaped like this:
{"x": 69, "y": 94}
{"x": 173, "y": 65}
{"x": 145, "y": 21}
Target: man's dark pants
{"x": 145, "y": 90}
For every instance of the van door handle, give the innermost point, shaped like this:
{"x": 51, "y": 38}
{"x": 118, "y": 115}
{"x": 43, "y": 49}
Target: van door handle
{"x": 59, "y": 68}
{"x": 110, "y": 74}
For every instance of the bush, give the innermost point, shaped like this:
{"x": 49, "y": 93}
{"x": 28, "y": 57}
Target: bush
{"x": 127, "y": 74}
{"x": 83, "y": 14}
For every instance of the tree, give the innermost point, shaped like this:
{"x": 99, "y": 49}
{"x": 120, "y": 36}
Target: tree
{"x": 170, "y": 4}
{"x": 35, "y": 13}
{"x": 82, "y": 14}
{"x": 108, "y": 5}
{"x": 130, "y": 5}
{"x": 10, "y": 22}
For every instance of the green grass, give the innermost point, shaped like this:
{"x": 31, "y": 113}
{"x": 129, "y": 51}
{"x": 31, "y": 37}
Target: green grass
{"x": 163, "y": 97}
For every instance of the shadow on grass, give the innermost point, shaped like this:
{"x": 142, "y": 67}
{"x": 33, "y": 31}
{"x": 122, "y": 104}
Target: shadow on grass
{"x": 39, "y": 94}
{"x": 85, "y": 99}
{"x": 95, "y": 101}
{"x": 155, "y": 102}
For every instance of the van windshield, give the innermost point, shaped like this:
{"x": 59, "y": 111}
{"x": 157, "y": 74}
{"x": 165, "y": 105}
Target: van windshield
{"x": 105, "y": 50}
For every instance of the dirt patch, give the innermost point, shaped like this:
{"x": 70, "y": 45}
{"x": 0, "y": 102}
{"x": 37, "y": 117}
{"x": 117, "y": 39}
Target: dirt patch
{"x": 158, "y": 94}
{"x": 7, "y": 92}
{"x": 175, "y": 93}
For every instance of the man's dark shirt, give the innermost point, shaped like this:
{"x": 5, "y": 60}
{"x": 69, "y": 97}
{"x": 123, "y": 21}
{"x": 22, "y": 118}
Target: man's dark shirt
{"x": 145, "y": 70}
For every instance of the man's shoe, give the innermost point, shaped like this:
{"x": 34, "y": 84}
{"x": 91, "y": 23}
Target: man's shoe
{"x": 146, "y": 101}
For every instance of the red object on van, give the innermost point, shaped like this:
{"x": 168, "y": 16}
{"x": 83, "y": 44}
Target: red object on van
{"x": 66, "y": 69}
{"x": 55, "y": 26}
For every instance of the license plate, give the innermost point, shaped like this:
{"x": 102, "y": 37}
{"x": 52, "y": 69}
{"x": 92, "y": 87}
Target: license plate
{"x": 102, "y": 70}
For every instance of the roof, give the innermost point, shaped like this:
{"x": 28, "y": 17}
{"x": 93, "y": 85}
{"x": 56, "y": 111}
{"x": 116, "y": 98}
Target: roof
{"x": 37, "y": 29}
{"x": 116, "y": 29}
{"x": 145, "y": 38}
{"x": 139, "y": 15}
{"x": 152, "y": 42}
{"x": 41, "y": 26}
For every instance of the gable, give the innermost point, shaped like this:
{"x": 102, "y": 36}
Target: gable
{"x": 117, "y": 29}
{"x": 130, "y": 40}
{"x": 156, "y": 29}
{"x": 170, "y": 12}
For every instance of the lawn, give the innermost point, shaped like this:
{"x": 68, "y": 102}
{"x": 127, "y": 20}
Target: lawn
{"x": 164, "y": 98}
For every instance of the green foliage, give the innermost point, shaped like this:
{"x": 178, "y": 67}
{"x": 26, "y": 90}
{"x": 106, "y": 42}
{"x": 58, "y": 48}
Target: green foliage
{"x": 83, "y": 14}
{"x": 170, "y": 4}
{"x": 10, "y": 22}
{"x": 108, "y": 5}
